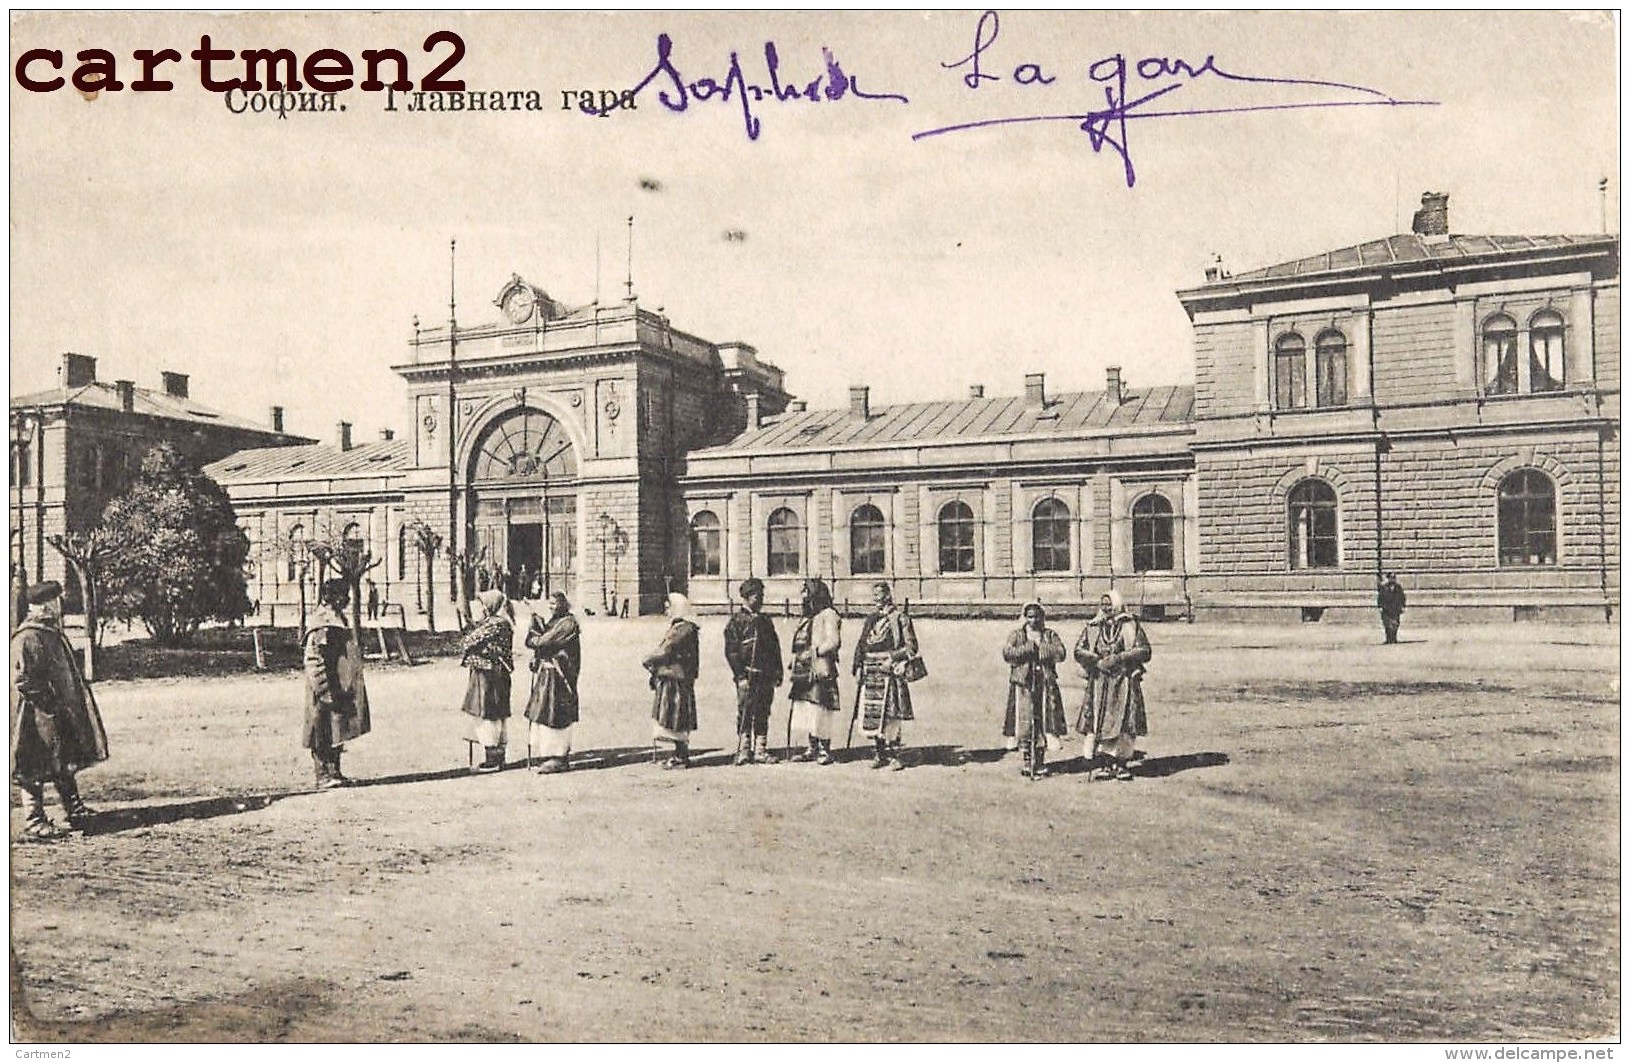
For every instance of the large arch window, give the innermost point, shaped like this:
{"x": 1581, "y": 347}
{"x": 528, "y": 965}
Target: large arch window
{"x": 1330, "y": 357}
{"x": 526, "y": 445}
{"x": 1152, "y": 535}
{"x": 1290, "y": 372}
{"x": 1500, "y": 355}
{"x": 785, "y": 543}
{"x": 1527, "y": 501}
{"x": 956, "y": 533}
{"x": 1545, "y": 351}
{"x": 1313, "y": 525}
{"x": 1050, "y": 536}
{"x": 868, "y": 541}
{"x": 402, "y": 547}
{"x": 706, "y": 545}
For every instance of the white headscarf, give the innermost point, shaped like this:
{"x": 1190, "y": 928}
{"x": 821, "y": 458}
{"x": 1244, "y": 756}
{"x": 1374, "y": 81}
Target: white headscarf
{"x": 492, "y": 602}
{"x": 1117, "y": 604}
{"x": 679, "y": 608}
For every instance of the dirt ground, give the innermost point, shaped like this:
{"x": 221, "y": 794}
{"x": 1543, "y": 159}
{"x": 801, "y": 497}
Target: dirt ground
{"x": 1329, "y": 840}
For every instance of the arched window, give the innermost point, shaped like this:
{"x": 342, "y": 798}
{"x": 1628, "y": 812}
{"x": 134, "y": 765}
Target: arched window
{"x": 1290, "y": 372}
{"x": 956, "y": 528}
{"x": 706, "y": 545}
{"x": 296, "y": 551}
{"x": 868, "y": 541}
{"x": 402, "y": 547}
{"x": 1152, "y": 534}
{"x": 1527, "y": 519}
{"x": 786, "y": 543}
{"x": 1545, "y": 349}
{"x": 1312, "y": 513}
{"x": 1330, "y": 354}
{"x": 1500, "y": 355}
{"x": 1050, "y": 536}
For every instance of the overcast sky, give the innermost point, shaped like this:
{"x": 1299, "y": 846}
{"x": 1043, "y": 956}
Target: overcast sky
{"x": 283, "y": 261}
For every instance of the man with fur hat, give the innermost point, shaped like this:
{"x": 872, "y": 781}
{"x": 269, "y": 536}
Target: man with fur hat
{"x": 1112, "y": 651}
{"x": 56, "y": 729}
{"x": 753, "y": 650}
{"x": 1035, "y": 708}
{"x": 336, "y": 697}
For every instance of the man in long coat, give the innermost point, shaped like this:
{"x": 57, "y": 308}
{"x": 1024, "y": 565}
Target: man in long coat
{"x": 1390, "y": 600}
{"x": 886, "y": 647}
{"x": 336, "y": 697}
{"x": 56, "y": 729}
{"x": 1035, "y": 708}
{"x": 1113, "y": 651}
{"x": 557, "y": 660}
{"x": 753, "y": 651}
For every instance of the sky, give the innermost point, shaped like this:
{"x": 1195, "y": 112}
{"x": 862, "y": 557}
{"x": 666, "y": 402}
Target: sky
{"x": 283, "y": 261}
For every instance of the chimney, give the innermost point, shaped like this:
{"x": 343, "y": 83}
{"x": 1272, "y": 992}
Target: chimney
{"x": 860, "y": 402}
{"x": 753, "y": 412}
{"x": 1433, "y": 217}
{"x": 976, "y": 391}
{"x": 1112, "y": 385}
{"x": 77, "y": 370}
{"x": 343, "y": 431}
{"x": 797, "y": 406}
{"x": 277, "y": 418}
{"x": 387, "y": 434}
{"x": 175, "y": 384}
{"x": 127, "y": 395}
{"x": 1035, "y": 389}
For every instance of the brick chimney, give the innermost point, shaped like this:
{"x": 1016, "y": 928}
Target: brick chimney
{"x": 175, "y": 384}
{"x": 860, "y": 402}
{"x": 1433, "y": 217}
{"x": 127, "y": 395}
{"x": 277, "y": 418}
{"x": 77, "y": 370}
{"x": 755, "y": 413}
{"x": 1035, "y": 389}
{"x": 387, "y": 434}
{"x": 1112, "y": 385}
{"x": 343, "y": 432}
{"x": 976, "y": 391}
{"x": 797, "y": 406}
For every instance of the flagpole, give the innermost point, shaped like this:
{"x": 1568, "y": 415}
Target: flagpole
{"x": 452, "y": 412}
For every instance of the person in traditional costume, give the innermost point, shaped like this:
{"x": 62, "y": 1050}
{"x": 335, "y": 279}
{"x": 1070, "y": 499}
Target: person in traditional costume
{"x": 753, "y": 650}
{"x": 887, "y": 643}
{"x": 557, "y": 660}
{"x": 673, "y": 669}
{"x": 814, "y": 686}
{"x": 336, "y": 696}
{"x": 488, "y": 651}
{"x": 56, "y": 729}
{"x": 1113, "y": 651}
{"x": 1035, "y": 708}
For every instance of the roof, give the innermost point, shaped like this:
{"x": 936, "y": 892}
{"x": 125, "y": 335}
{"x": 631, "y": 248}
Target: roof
{"x": 1072, "y": 413}
{"x": 313, "y": 462}
{"x": 146, "y": 402}
{"x": 1407, "y": 248}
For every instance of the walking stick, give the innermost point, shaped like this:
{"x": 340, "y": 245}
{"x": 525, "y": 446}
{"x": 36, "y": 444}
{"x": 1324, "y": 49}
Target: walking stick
{"x": 860, "y": 683}
{"x": 1037, "y": 719}
{"x": 789, "y": 721}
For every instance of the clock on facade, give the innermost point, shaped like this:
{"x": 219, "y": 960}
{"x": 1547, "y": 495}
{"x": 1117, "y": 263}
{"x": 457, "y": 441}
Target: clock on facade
{"x": 519, "y": 304}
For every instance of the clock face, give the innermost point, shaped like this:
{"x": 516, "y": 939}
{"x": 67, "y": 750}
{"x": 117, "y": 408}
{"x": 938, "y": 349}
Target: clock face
{"x": 518, "y": 307}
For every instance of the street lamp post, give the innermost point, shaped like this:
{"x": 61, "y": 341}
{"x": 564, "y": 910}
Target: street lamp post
{"x": 23, "y": 425}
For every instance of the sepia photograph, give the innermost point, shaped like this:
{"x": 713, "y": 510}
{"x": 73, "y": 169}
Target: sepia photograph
{"x": 816, "y": 527}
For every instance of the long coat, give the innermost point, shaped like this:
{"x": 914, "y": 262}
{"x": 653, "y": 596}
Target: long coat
{"x": 488, "y": 651}
{"x": 336, "y": 696}
{"x": 557, "y": 660}
{"x": 55, "y": 727}
{"x": 1113, "y": 653}
{"x": 1033, "y": 672}
{"x": 890, "y": 632}
{"x": 673, "y": 669}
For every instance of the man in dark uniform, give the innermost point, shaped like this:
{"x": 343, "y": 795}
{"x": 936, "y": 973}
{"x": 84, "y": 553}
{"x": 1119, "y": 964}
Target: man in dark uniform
{"x": 55, "y": 727}
{"x": 336, "y": 697}
{"x": 1390, "y": 599}
{"x": 754, "y": 653}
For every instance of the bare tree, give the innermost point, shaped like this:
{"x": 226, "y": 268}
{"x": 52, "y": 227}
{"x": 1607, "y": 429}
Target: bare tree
{"x": 464, "y": 563}
{"x": 350, "y": 559}
{"x": 428, "y": 543}
{"x": 87, "y": 552}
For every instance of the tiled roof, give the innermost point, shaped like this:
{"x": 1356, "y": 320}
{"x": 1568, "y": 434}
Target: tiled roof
{"x": 1001, "y": 416}
{"x": 1409, "y": 248}
{"x": 314, "y": 462}
{"x": 147, "y": 402}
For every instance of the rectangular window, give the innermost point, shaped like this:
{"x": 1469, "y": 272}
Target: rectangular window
{"x": 1333, "y": 379}
{"x": 1290, "y": 379}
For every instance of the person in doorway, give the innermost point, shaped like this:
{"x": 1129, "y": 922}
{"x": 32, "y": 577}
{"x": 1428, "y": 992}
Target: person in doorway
{"x": 1035, "y": 708}
{"x": 814, "y": 687}
{"x": 372, "y": 599}
{"x": 56, "y": 730}
{"x": 488, "y": 651}
{"x": 673, "y": 669}
{"x": 336, "y": 696}
{"x": 1113, "y": 651}
{"x": 887, "y": 643}
{"x": 1390, "y": 600}
{"x": 753, "y": 650}
{"x": 557, "y": 661}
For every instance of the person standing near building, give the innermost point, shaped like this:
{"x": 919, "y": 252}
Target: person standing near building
{"x": 488, "y": 651}
{"x": 887, "y": 644}
{"x": 372, "y": 599}
{"x": 336, "y": 696}
{"x": 673, "y": 669}
{"x": 1390, "y": 600}
{"x": 1113, "y": 651}
{"x": 814, "y": 685}
{"x": 1035, "y": 708}
{"x": 753, "y": 650}
{"x": 56, "y": 729}
{"x": 557, "y": 661}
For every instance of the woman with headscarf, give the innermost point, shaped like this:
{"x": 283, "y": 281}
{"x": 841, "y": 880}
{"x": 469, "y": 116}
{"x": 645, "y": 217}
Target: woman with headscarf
{"x": 673, "y": 670}
{"x": 488, "y": 651}
{"x": 1112, "y": 651}
{"x": 886, "y": 645}
{"x": 1035, "y": 708}
{"x": 814, "y": 690}
{"x": 557, "y": 660}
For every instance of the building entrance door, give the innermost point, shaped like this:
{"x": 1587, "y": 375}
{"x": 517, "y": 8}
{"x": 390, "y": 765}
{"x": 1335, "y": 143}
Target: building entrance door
{"x": 525, "y": 556}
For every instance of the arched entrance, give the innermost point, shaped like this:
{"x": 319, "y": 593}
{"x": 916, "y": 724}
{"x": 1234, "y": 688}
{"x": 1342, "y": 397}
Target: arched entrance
{"x": 523, "y": 495}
